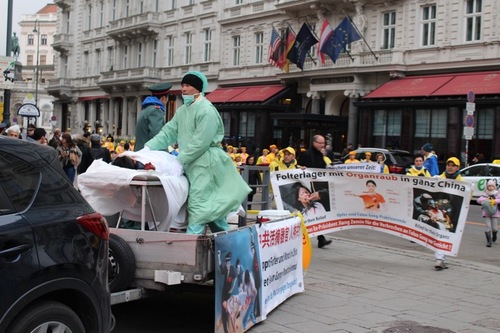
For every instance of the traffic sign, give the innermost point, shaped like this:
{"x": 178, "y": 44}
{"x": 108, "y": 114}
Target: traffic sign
{"x": 471, "y": 96}
{"x": 469, "y": 120}
{"x": 28, "y": 110}
{"x": 468, "y": 133}
{"x": 470, "y": 107}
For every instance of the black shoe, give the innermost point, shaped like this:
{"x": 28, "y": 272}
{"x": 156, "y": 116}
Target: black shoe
{"x": 322, "y": 242}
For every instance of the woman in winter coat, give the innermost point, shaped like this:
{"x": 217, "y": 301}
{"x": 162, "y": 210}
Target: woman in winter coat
{"x": 489, "y": 201}
{"x": 69, "y": 155}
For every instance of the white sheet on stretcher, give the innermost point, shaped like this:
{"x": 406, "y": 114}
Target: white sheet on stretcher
{"x": 107, "y": 189}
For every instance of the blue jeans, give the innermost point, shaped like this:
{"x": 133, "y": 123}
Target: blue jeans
{"x": 71, "y": 173}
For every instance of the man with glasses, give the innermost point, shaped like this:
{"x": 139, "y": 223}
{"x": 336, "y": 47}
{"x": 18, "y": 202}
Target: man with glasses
{"x": 314, "y": 158}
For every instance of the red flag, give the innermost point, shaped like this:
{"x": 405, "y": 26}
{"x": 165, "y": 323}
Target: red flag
{"x": 324, "y": 35}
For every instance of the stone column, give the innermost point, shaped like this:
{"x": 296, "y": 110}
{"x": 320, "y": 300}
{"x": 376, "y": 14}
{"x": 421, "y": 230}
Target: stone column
{"x": 352, "y": 128}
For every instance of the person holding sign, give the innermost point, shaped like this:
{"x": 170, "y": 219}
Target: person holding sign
{"x": 314, "y": 158}
{"x": 451, "y": 172}
{"x": 418, "y": 169}
{"x": 430, "y": 159}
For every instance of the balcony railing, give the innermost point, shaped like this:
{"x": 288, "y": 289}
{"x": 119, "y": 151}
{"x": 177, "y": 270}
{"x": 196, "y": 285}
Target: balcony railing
{"x": 62, "y": 42}
{"x": 125, "y": 79}
{"x": 133, "y": 26}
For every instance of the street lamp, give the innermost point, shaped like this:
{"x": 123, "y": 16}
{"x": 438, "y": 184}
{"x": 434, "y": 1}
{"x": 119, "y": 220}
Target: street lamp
{"x": 36, "y": 30}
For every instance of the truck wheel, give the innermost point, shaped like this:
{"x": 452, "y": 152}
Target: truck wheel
{"x": 48, "y": 317}
{"x": 121, "y": 264}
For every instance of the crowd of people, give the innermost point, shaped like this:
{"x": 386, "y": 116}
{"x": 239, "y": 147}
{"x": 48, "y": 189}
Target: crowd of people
{"x": 76, "y": 152}
{"x": 199, "y": 150}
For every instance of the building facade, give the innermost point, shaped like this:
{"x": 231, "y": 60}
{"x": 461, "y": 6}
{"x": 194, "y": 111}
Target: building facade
{"x": 37, "y": 59}
{"x": 110, "y": 51}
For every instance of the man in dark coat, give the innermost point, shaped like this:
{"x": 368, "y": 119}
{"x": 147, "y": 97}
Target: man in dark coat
{"x": 95, "y": 152}
{"x": 152, "y": 117}
{"x": 314, "y": 158}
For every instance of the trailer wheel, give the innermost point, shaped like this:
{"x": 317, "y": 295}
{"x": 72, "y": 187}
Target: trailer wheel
{"x": 121, "y": 264}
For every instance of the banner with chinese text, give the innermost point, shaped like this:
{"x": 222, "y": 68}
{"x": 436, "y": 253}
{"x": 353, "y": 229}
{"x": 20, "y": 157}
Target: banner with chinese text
{"x": 428, "y": 211}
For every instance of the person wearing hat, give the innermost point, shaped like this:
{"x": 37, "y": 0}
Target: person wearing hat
{"x": 430, "y": 159}
{"x": 285, "y": 160}
{"x": 13, "y": 131}
{"x": 489, "y": 200}
{"x": 314, "y": 158}
{"x": 273, "y": 153}
{"x": 451, "y": 172}
{"x": 152, "y": 117}
{"x": 263, "y": 159}
{"x": 368, "y": 158}
{"x": 216, "y": 188}
{"x": 132, "y": 145}
{"x": 244, "y": 154}
{"x": 352, "y": 158}
{"x": 120, "y": 148}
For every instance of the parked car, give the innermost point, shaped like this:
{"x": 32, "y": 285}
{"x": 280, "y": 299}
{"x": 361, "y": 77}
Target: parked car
{"x": 53, "y": 247}
{"x": 398, "y": 161}
{"x": 477, "y": 176}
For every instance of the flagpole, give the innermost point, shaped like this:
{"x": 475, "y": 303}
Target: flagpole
{"x": 349, "y": 54}
{"x": 314, "y": 33}
{"x": 363, "y": 37}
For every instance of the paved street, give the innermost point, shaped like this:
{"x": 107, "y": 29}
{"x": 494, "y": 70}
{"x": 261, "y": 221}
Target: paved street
{"x": 358, "y": 286}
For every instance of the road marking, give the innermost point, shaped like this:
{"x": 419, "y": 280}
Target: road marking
{"x": 475, "y": 223}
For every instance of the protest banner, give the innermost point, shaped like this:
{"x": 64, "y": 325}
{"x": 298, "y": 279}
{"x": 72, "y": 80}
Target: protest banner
{"x": 429, "y": 211}
{"x": 266, "y": 256}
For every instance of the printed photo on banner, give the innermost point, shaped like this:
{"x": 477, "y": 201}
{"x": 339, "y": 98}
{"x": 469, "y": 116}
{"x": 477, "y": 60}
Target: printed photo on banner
{"x": 257, "y": 268}
{"x": 308, "y": 198}
{"x": 237, "y": 281}
{"x": 431, "y": 212}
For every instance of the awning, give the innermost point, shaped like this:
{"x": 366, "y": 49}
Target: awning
{"x": 244, "y": 94}
{"x": 222, "y": 95}
{"x": 481, "y": 83}
{"x": 410, "y": 87}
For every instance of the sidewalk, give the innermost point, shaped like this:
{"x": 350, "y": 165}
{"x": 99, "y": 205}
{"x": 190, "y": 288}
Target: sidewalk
{"x": 364, "y": 288}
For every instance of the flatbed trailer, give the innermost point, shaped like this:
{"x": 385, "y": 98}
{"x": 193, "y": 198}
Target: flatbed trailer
{"x": 146, "y": 259}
